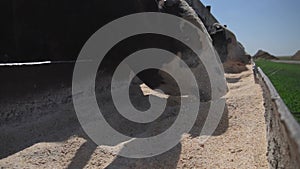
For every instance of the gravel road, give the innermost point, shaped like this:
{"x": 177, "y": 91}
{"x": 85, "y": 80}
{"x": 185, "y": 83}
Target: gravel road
{"x": 287, "y": 61}
{"x": 239, "y": 142}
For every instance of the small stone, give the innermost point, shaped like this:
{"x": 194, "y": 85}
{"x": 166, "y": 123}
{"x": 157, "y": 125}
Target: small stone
{"x": 240, "y": 150}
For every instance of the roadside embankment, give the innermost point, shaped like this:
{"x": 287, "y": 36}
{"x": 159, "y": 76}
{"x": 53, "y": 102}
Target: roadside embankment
{"x": 283, "y": 131}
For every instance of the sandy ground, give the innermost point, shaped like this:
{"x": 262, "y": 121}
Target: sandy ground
{"x": 240, "y": 144}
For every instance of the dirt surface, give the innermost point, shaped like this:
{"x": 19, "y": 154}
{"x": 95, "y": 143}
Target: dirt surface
{"x": 234, "y": 67}
{"x": 287, "y": 61}
{"x": 240, "y": 144}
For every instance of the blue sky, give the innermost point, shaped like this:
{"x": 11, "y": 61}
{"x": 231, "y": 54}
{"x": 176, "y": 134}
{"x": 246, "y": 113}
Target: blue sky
{"x": 271, "y": 25}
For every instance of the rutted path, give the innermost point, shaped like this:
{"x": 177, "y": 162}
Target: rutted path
{"x": 241, "y": 142}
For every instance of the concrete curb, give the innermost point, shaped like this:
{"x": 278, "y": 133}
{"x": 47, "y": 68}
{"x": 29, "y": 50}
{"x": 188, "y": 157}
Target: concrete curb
{"x": 283, "y": 131}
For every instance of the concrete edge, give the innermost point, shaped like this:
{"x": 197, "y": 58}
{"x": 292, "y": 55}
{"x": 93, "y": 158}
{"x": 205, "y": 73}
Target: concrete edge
{"x": 291, "y": 125}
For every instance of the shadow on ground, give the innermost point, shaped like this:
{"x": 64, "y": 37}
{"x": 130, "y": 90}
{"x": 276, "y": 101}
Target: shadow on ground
{"x": 37, "y": 107}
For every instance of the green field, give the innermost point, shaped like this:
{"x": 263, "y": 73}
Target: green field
{"x": 286, "y": 79}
